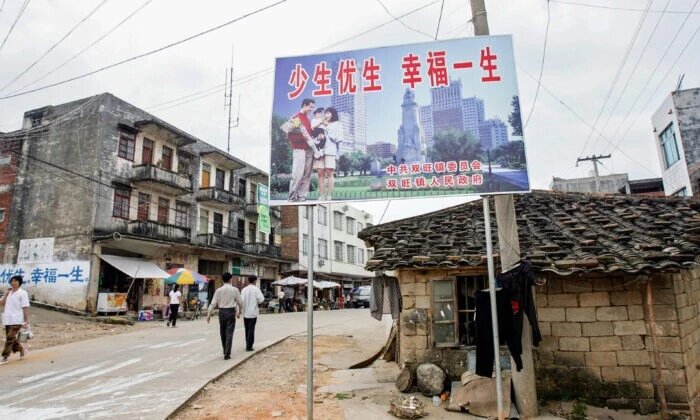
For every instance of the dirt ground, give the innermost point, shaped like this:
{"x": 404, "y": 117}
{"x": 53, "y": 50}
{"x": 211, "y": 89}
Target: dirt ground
{"x": 53, "y": 328}
{"x": 272, "y": 384}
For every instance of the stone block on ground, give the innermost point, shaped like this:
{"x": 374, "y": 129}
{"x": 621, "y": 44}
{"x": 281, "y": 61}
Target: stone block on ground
{"x": 430, "y": 379}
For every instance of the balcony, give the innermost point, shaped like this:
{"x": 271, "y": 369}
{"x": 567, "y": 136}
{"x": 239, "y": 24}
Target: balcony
{"x": 251, "y": 209}
{"x": 159, "y": 179}
{"x": 216, "y": 196}
{"x": 263, "y": 249}
{"x": 155, "y": 230}
{"x": 220, "y": 241}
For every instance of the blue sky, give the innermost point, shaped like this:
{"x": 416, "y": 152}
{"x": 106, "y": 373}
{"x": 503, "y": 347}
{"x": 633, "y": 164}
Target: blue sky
{"x": 384, "y": 108}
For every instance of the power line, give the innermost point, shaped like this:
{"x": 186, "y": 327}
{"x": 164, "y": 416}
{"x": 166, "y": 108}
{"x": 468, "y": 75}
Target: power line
{"x": 132, "y": 14}
{"x": 92, "y": 12}
{"x": 690, "y": 40}
{"x": 2, "y": 6}
{"x": 656, "y": 68}
{"x": 634, "y": 69}
{"x": 575, "y": 114}
{"x": 437, "y": 31}
{"x": 402, "y": 22}
{"x": 595, "y": 6}
{"x": 157, "y": 50}
{"x": 617, "y": 75}
{"x": 19, "y": 15}
{"x": 544, "y": 52}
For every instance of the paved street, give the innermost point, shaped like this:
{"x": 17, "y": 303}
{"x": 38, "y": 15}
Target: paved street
{"x": 147, "y": 374}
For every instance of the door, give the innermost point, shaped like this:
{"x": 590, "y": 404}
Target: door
{"x": 252, "y": 230}
{"x": 167, "y": 160}
{"x": 220, "y": 178}
{"x": 206, "y": 175}
{"x": 203, "y": 221}
{"x": 147, "y": 152}
{"x": 218, "y": 223}
{"x": 163, "y": 204}
{"x": 144, "y": 207}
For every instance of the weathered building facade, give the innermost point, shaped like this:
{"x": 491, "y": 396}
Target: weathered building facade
{"x": 618, "y": 305}
{"x": 101, "y": 177}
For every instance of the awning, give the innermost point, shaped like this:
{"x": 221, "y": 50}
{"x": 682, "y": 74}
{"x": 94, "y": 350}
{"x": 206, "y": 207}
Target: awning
{"x": 136, "y": 268}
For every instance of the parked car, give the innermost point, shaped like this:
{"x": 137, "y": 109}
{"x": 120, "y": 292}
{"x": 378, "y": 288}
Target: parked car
{"x": 360, "y": 296}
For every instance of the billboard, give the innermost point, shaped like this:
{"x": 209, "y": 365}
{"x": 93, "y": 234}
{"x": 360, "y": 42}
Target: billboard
{"x": 409, "y": 121}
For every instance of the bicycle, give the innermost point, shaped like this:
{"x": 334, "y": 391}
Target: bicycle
{"x": 197, "y": 308}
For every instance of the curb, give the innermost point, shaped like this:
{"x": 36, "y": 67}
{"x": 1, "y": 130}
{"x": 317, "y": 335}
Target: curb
{"x": 216, "y": 378}
{"x": 58, "y": 308}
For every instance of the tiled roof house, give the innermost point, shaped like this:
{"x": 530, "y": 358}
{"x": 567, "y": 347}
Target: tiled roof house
{"x": 594, "y": 254}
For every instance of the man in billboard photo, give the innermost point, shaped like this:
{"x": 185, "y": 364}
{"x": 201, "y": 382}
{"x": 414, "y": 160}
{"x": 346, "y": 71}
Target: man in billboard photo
{"x": 302, "y": 153}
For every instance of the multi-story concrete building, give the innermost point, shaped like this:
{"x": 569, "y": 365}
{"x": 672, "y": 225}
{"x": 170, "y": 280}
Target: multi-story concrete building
{"x": 493, "y": 133}
{"x": 353, "y": 106}
{"x": 118, "y": 195}
{"x": 677, "y": 137}
{"x": 449, "y": 111}
{"x": 609, "y": 184}
{"x": 473, "y": 116}
{"x": 339, "y": 254}
{"x": 9, "y": 161}
{"x": 426, "y": 124}
{"x": 382, "y": 150}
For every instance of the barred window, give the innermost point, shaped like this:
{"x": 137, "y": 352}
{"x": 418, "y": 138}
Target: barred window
{"x": 127, "y": 145}
{"x": 122, "y": 196}
{"x": 181, "y": 212}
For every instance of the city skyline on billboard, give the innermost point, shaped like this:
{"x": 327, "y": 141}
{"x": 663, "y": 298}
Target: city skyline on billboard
{"x": 407, "y": 121}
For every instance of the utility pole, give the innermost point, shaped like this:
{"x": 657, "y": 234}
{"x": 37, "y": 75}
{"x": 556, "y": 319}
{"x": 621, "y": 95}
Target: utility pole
{"x": 229, "y": 96}
{"x": 595, "y": 160}
{"x": 524, "y": 382}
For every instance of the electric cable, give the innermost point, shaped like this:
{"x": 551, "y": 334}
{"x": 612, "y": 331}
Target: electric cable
{"x": 539, "y": 81}
{"x": 595, "y": 6}
{"x": 63, "y": 38}
{"x": 402, "y": 22}
{"x": 437, "y": 30}
{"x": 12, "y": 27}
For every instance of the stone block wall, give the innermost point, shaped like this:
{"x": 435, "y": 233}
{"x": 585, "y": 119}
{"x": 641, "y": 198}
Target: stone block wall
{"x": 687, "y": 293}
{"x": 597, "y": 340}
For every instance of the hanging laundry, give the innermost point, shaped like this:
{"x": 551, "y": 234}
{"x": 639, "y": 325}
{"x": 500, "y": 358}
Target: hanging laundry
{"x": 385, "y": 297}
{"x": 518, "y": 282}
{"x": 484, "y": 333}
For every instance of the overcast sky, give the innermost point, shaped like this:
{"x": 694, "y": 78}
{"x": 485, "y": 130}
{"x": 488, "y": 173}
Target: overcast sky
{"x": 585, "y": 48}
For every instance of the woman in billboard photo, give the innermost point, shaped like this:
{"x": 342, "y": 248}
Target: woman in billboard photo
{"x": 334, "y": 136}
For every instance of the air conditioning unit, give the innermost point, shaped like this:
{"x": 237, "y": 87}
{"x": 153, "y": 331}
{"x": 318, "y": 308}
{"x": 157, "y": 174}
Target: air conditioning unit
{"x": 345, "y": 207}
{"x": 321, "y": 262}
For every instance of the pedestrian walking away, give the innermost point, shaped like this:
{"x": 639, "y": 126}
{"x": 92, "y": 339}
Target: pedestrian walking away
{"x": 252, "y": 297}
{"x": 280, "y": 302}
{"x": 226, "y": 298}
{"x": 14, "y": 317}
{"x": 174, "y": 305}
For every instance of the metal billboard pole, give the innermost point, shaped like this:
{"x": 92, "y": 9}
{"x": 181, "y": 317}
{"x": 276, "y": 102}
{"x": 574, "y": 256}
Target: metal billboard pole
{"x": 310, "y": 318}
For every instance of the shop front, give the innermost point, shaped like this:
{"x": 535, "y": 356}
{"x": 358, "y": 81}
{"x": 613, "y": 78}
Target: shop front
{"x": 129, "y": 284}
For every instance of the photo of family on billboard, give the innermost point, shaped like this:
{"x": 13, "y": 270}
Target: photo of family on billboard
{"x": 409, "y": 121}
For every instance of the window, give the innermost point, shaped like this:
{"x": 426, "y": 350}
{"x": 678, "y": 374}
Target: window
{"x": 144, "y": 206}
{"x": 122, "y": 197}
{"x": 454, "y": 308}
{"x": 271, "y": 237}
{"x": 669, "y": 146}
{"x": 220, "y": 178}
{"x": 305, "y": 212}
{"x": 305, "y": 244}
{"x": 360, "y": 256}
{"x": 337, "y": 220}
{"x": 181, "y": 212}
{"x": 241, "y": 187}
{"x": 2, "y": 215}
{"x": 351, "y": 254}
{"x": 184, "y": 164}
{"x": 252, "y": 229}
{"x": 167, "y": 158}
{"x": 206, "y": 175}
{"x": 5, "y": 160}
{"x": 359, "y": 227}
{"x": 253, "y": 194}
{"x": 338, "y": 250}
{"x": 163, "y": 207}
{"x": 240, "y": 229}
{"x": 370, "y": 254}
{"x": 322, "y": 216}
{"x": 323, "y": 248}
{"x": 351, "y": 225}
{"x": 218, "y": 223}
{"x": 127, "y": 144}
{"x": 203, "y": 221}
{"x": 147, "y": 152}
{"x": 683, "y": 192}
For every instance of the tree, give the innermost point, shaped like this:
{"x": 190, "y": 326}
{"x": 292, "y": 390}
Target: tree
{"x": 281, "y": 151}
{"x": 360, "y": 161}
{"x": 511, "y": 153}
{"x": 514, "y": 117}
{"x": 344, "y": 165}
{"x": 454, "y": 145}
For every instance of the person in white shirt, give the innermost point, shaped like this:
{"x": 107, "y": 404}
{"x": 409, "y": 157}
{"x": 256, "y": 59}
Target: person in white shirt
{"x": 280, "y": 302}
{"x": 15, "y": 315}
{"x": 252, "y": 297}
{"x": 226, "y": 298}
{"x": 174, "y": 305}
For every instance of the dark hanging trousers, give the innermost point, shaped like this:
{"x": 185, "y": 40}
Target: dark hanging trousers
{"x": 249, "y": 324}
{"x": 227, "y": 322}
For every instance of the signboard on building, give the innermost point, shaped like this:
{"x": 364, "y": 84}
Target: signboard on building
{"x": 62, "y": 283}
{"x": 111, "y": 302}
{"x": 449, "y": 108}
{"x": 245, "y": 268}
{"x": 263, "y": 209}
{"x": 38, "y": 250}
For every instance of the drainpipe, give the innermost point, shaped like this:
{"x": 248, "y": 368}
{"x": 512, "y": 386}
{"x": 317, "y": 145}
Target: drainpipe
{"x": 649, "y": 305}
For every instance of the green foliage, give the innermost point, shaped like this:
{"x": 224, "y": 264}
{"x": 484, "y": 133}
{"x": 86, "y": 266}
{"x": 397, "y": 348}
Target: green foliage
{"x": 511, "y": 154}
{"x": 344, "y": 164}
{"x": 342, "y": 396}
{"x": 453, "y": 145}
{"x": 579, "y": 410}
{"x": 514, "y": 117}
{"x": 281, "y": 151}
